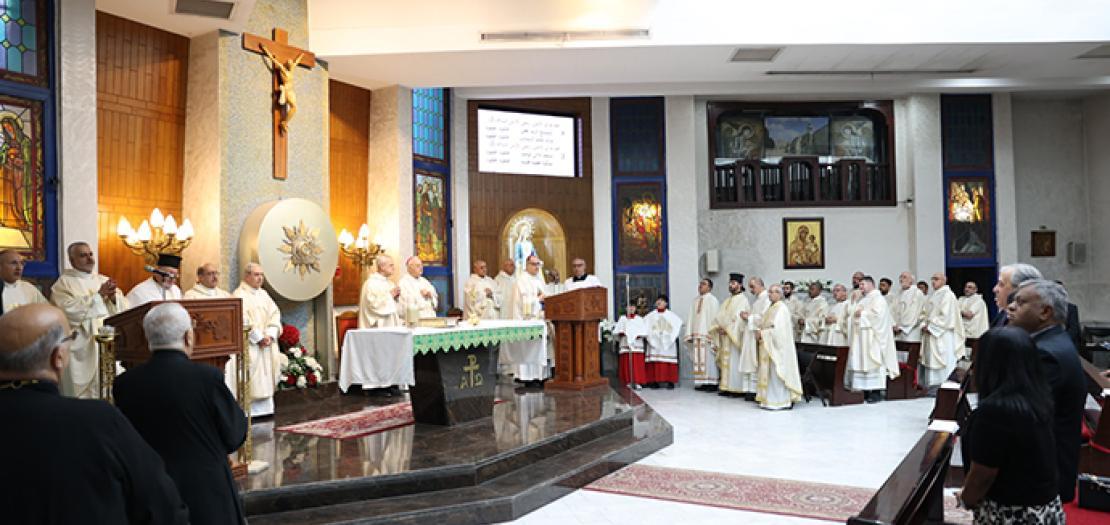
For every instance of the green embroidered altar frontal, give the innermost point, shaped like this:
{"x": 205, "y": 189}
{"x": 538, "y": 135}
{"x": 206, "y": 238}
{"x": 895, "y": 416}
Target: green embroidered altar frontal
{"x": 431, "y": 340}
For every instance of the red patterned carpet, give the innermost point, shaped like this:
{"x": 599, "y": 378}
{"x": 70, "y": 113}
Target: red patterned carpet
{"x": 356, "y": 424}
{"x": 750, "y": 493}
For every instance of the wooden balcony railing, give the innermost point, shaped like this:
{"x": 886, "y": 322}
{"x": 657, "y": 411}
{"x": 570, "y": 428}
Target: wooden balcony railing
{"x": 802, "y": 181}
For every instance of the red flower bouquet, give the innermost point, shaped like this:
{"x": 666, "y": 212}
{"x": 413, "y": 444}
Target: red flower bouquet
{"x": 298, "y": 368}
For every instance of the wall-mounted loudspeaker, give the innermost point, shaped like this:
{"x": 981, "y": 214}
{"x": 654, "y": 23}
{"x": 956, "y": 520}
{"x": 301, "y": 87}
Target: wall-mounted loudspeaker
{"x": 712, "y": 261}
{"x": 1077, "y": 252}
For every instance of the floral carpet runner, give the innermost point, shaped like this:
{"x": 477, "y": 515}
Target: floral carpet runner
{"x": 749, "y": 493}
{"x": 356, "y": 424}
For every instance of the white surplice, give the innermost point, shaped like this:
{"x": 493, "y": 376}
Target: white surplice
{"x": 797, "y": 306}
{"x": 780, "y": 384}
{"x": 377, "y": 308}
{"x": 264, "y": 319}
{"x": 978, "y": 324}
{"x": 702, "y": 344}
{"x": 504, "y": 290}
{"x": 588, "y": 281}
{"x": 662, "y": 340}
{"x": 201, "y": 291}
{"x": 482, "y": 298}
{"x": 836, "y": 333}
{"x": 149, "y": 291}
{"x": 909, "y": 314}
{"x": 76, "y": 293}
{"x": 749, "y": 347}
{"x": 730, "y": 328}
{"x": 630, "y": 334}
{"x": 942, "y": 338}
{"x": 412, "y": 296}
{"x": 527, "y": 360}
{"x": 21, "y": 293}
{"x": 872, "y": 357}
{"x": 814, "y": 329}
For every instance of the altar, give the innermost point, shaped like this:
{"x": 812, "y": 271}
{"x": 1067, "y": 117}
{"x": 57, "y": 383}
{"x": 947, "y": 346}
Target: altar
{"x": 452, "y": 371}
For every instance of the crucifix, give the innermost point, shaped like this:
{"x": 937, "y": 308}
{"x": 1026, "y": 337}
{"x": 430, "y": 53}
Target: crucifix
{"x": 282, "y": 59}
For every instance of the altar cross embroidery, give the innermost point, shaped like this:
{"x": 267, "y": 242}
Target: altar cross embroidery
{"x": 282, "y": 59}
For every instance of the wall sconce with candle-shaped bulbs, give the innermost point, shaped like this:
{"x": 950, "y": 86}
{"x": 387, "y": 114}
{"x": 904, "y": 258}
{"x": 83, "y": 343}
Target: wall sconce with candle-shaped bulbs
{"x": 360, "y": 249}
{"x": 156, "y": 236}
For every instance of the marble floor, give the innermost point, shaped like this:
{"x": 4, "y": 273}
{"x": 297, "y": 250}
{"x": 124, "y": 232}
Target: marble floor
{"x": 856, "y": 445}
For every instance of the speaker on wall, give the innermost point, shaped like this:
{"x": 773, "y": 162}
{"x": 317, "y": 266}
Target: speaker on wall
{"x": 1077, "y": 252}
{"x": 712, "y": 261}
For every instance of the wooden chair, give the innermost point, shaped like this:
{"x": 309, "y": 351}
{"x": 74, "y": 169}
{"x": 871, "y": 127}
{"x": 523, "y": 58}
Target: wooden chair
{"x": 343, "y": 322}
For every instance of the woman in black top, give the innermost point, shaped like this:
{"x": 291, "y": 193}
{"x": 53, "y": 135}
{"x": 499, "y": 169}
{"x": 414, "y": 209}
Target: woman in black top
{"x": 1008, "y": 441}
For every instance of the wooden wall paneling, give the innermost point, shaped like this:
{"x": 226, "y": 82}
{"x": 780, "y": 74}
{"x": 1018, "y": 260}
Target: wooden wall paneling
{"x": 141, "y": 82}
{"x": 349, "y": 144}
{"x": 494, "y": 197}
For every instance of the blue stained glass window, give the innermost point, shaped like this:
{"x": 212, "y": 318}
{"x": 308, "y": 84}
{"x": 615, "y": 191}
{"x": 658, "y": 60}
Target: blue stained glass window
{"x": 19, "y": 37}
{"x": 428, "y": 121}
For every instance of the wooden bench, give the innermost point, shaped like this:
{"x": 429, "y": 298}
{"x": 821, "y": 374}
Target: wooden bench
{"x": 1094, "y": 457}
{"x": 825, "y": 374}
{"x": 914, "y": 492}
{"x": 905, "y": 386}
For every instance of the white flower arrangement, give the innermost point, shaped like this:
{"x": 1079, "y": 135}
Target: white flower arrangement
{"x": 298, "y": 369}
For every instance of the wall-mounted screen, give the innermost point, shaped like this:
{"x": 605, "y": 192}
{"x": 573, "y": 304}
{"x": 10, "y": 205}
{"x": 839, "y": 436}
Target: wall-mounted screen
{"x": 526, "y": 143}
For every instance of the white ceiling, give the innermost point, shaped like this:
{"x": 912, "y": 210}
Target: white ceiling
{"x": 1012, "y": 45}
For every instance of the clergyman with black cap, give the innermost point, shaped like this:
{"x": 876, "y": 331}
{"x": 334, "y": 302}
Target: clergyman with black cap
{"x": 161, "y": 285}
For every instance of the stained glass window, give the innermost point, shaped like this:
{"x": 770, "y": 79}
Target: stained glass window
{"x": 428, "y": 123}
{"x": 22, "y": 57}
{"x": 21, "y": 178}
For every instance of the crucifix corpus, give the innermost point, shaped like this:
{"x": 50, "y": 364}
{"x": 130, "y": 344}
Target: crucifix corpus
{"x": 282, "y": 59}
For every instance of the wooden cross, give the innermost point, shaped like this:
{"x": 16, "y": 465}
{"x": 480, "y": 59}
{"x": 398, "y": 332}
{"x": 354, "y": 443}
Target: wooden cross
{"x": 286, "y": 56}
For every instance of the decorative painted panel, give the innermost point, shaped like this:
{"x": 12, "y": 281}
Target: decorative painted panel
{"x": 21, "y": 176}
{"x": 640, "y": 226}
{"x": 969, "y": 218}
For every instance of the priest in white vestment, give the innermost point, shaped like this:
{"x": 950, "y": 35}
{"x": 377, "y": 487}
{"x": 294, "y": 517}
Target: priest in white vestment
{"x": 813, "y": 320}
{"x": 700, "y": 341}
{"x": 579, "y": 278}
{"x": 661, "y": 352}
{"x": 527, "y": 360}
{"x": 797, "y": 307}
{"x": 888, "y": 294}
{"x": 418, "y": 299}
{"x": 208, "y": 284}
{"x": 780, "y": 384}
{"x": 378, "y": 301}
{"x": 264, "y": 320}
{"x": 729, "y": 329}
{"x": 749, "y": 344}
{"x": 481, "y": 293}
{"x": 161, "y": 285}
{"x": 973, "y": 312}
{"x": 631, "y": 331}
{"x": 836, "y": 320}
{"x": 87, "y": 298}
{"x": 872, "y": 357}
{"x": 504, "y": 281}
{"x": 908, "y": 315}
{"x": 15, "y": 292}
{"x": 942, "y": 335}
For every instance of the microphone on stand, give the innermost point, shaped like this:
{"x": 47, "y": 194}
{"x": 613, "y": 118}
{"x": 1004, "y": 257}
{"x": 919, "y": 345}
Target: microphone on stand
{"x": 151, "y": 269}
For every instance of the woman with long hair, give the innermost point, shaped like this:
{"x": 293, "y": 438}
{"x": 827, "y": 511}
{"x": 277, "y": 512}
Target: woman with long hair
{"x": 1007, "y": 442}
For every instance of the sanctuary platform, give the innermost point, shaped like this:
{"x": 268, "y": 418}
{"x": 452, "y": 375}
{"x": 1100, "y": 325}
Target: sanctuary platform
{"x": 538, "y": 446}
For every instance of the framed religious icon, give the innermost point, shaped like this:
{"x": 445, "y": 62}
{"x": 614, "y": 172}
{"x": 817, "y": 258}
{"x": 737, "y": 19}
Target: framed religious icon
{"x": 970, "y": 228}
{"x": 640, "y": 224}
{"x": 431, "y": 219}
{"x": 803, "y": 243}
{"x": 1042, "y": 243}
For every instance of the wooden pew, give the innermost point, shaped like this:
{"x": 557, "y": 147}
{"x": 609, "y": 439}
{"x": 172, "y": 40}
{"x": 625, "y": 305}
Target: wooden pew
{"x": 826, "y": 371}
{"x": 1094, "y": 457}
{"x": 951, "y": 403}
{"x": 914, "y": 492}
{"x": 905, "y": 386}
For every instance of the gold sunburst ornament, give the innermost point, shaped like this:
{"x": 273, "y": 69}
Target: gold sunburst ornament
{"x": 302, "y": 248}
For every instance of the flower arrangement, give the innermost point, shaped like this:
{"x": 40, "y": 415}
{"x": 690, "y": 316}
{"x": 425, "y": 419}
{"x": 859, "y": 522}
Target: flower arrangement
{"x": 606, "y": 326}
{"x": 298, "y": 369}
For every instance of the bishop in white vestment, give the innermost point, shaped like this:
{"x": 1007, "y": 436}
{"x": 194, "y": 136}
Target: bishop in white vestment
{"x": 749, "y": 347}
{"x": 661, "y": 352}
{"x": 418, "y": 297}
{"x": 15, "y": 292}
{"x": 160, "y": 286}
{"x": 872, "y": 357}
{"x": 836, "y": 320}
{"x": 909, "y": 312}
{"x": 701, "y": 343}
{"x": 482, "y": 295}
{"x": 729, "y": 328}
{"x": 527, "y": 360}
{"x": 973, "y": 312}
{"x": 208, "y": 284}
{"x": 780, "y": 384}
{"x": 942, "y": 341}
{"x": 87, "y": 298}
{"x": 264, "y": 320}
{"x": 378, "y": 301}
{"x": 813, "y": 321}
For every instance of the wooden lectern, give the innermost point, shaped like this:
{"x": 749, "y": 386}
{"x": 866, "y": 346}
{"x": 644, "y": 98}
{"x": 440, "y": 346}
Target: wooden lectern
{"x": 576, "y": 315}
{"x": 218, "y": 325}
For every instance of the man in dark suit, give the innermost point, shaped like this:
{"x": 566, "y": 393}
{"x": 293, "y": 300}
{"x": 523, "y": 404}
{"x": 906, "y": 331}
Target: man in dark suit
{"x": 1010, "y": 278}
{"x": 187, "y": 414}
{"x": 69, "y": 460}
{"x": 1040, "y": 307}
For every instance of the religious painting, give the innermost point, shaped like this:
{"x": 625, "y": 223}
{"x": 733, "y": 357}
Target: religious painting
{"x": 739, "y": 137}
{"x": 970, "y": 228}
{"x": 21, "y": 192}
{"x": 803, "y": 243}
{"x": 533, "y": 231}
{"x": 639, "y": 289}
{"x": 853, "y": 137}
{"x": 797, "y": 136}
{"x": 640, "y": 224}
{"x": 1042, "y": 243}
{"x": 431, "y": 219}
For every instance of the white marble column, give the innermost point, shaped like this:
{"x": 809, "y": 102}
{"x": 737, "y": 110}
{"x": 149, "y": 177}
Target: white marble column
{"x": 389, "y": 208}
{"x": 77, "y": 201}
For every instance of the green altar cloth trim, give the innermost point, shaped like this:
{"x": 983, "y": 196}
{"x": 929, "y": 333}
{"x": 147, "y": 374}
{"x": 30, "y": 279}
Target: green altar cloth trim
{"x": 453, "y": 340}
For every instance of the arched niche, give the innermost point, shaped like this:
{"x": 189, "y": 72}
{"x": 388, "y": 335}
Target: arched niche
{"x": 547, "y": 238}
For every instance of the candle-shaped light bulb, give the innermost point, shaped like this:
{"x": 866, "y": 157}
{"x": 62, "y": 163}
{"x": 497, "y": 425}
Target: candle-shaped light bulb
{"x": 170, "y": 226}
{"x": 123, "y": 229}
{"x": 185, "y": 232}
{"x": 144, "y": 234}
{"x": 156, "y": 218}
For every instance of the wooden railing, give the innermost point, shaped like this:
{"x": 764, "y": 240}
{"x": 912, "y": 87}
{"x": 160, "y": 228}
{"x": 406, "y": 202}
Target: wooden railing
{"x": 802, "y": 181}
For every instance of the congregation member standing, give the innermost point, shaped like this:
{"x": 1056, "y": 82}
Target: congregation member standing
{"x": 69, "y": 460}
{"x": 700, "y": 340}
{"x": 942, "y": 335}
{"x": 1009, "y": 278}
{"x": 187, "y": 414}
{"x": 729, "y": 328}
{"x": 661, "y": 353}
{"x": 87, "y": 298}
{"x": 780, "y": 384}
{"x": 872, "y": 357}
